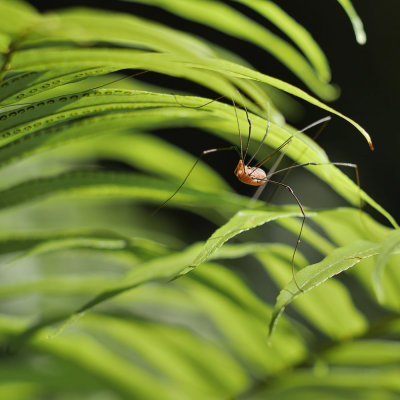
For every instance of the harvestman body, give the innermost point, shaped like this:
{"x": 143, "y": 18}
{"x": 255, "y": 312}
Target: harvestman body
{"x": 256, "y": 176}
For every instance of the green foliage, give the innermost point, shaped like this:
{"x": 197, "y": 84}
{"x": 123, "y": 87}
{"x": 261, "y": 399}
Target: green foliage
{"x": 99, "y": 299}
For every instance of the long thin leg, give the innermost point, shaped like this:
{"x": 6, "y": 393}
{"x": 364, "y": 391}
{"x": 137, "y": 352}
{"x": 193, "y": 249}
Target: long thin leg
{"x": 248, "y": 136}
{"x": 320, "y": 121}
{"x": 121, "y": 79}
{"x": 201, "y": 106}
{"x": 243, "y": 154}
{"x": 324, "y": 123}
{"x": 265, "y": 136}
{"x": 270, "y": 155}
{"x": 205, "y": 152}
{"x": 240, "y": 133}
{"x": 269, "y": 174}
{"x": 342, "y": 164}
{"x": 261, "y": 143}
{"x": 300, "y": 205}
{"x": 301, "y": 228}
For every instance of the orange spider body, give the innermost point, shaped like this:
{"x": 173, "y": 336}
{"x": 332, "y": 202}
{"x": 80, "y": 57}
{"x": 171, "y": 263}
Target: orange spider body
{"x": 250, "y": 175}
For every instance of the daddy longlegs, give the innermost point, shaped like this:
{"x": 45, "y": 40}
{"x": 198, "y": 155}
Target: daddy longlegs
{"x": 254, "y": 175}
{"x": 248, "y": 174}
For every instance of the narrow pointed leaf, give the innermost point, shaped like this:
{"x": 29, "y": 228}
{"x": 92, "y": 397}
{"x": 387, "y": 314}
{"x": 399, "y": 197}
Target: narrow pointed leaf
{"x": 165, "y": 268}
{"x": 19, "y": 16}
{"x": 236, "y": 24}
{"x": 296, "y": 32}
{"x": 389, "y": 247}
{"x": 356, "y": 21}
{"x": 164, "y": 63}
{"x": 20, "y": 89}
{"x": 339, "y": 320}
{"x": 309, "y": 277}
{"x": 36, "y": 244}
{"x": 371, "y": 352}
{"x": 87, "y": 353}
{"x": 244, "y": 72}
{"x": 239, "y": 223}
{"x": 115, "y": 185}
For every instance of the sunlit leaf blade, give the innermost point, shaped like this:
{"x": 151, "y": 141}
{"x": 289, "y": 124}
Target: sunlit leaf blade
{"x": 296, "y": 32}
{"x": 83, "y": 240}
{"x": 332, "y": 383}
{"x": 115, "y": 185}
{"x": 243, "y": 327}
{"x": 173, "y": 65}
{"x": 26, "y": 85}
{"x": 5, "y": 41}
{"x": 78, "y": 106}
{"x": 62, "y": 287}
{"x": 244, "y": 72}
{"x": 87, "y": 25}
{"x": 126, "y": 107}
{"x": 79, "y": 128}
{"x": 151, "y": 154}
{"x": 356, "y": 21}
{"x": 20, "y": 380}
{"x": 38, "y": 133}
{"x": 142, "y": 249}
{"x": 164, "y": 268}
{"x": 239, "y": 223}
{"x": 311, "y": 276}
{"x": 170, "y": 357}
{"x": 344, "y": 225}
{"x": 87, "y": 353}
{"x": 365, "y": 352}
{"x": 224, "y": 281}
{"x": 161, "y": 269}
{"x": 309, "y": 235}
{"x": 341, "y": 320}
{"x": 389, "y": 247}
{"x": 20, "y": 16}
{"x": 33, "y": 245}
{"x": 236, "y": 24}
{"x": 195, "y": 70}
{"x": 143, "y": 151}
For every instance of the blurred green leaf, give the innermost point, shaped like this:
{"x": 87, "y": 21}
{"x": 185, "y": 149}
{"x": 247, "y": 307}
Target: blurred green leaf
{"x": 355, "y": 21}
{"x": 90, "y": 355}
{"x": 112, "y": 185}
{"x": 209, "y": 370}
{"x": 365, "y": 352}
{"x": 35, "y": 244}
{"x": 340, "y": 320}
{"x": 296, "y": 32}
{"x": 240, "y": 222}
{"x": 388, "y": 247}
{"x": 233, "y": 23}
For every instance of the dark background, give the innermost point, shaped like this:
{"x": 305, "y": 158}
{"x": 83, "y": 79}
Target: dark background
{"x": 367, "y": 75}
